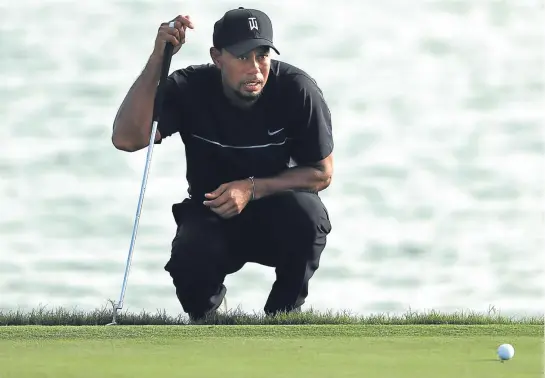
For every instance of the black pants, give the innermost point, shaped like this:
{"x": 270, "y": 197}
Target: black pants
{"x": 286, "y": 231}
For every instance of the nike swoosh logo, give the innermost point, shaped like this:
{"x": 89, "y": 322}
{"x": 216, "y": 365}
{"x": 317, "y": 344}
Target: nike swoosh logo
{"x": 274, "y": 132}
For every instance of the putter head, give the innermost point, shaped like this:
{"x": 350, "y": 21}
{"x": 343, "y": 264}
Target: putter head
{"x": 115, "y": 315}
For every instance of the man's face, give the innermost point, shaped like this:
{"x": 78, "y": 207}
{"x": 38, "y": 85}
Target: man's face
{"x": 245, "y": 76}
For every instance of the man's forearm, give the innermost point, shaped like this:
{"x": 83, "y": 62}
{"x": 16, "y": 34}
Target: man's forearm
{"x": 295, "y": 178}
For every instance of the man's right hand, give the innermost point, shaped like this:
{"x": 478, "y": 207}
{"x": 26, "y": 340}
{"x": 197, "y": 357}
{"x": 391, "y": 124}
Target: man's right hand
{"x": 175, "y": 35}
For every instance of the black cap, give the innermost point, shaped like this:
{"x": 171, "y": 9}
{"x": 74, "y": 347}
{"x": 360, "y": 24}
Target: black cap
{"x": 242, "y": 30}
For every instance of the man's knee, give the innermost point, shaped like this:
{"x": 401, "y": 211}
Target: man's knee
{"x": 198, "y": 243}
{"x": 311, "y": 212}
{"x": 298, "y": 216}
{"x": 192, "y": 254}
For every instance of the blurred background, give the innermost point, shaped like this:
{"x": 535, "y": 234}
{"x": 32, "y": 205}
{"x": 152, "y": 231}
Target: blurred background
{"x": 436, "y": 201}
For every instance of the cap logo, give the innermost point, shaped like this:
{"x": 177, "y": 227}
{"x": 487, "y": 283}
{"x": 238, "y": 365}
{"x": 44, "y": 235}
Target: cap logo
{"x": 252, "y": 21}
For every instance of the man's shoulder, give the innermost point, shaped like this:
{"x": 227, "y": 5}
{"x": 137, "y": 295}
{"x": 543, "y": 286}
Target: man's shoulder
{"x": 194, "y": 73}
{"x": 294, "y": 82}
{"x": 290, "y": 76}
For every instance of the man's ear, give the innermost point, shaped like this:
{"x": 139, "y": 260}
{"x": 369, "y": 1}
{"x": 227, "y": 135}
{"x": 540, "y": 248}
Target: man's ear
{"x": 215, "y": 54}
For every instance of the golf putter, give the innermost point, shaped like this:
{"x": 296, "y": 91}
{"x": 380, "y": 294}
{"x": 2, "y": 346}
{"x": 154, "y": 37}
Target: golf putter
{"x": 167, "y": 58}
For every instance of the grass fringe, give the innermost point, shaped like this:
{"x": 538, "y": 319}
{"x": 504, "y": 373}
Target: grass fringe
{"x": 103, "y": 316}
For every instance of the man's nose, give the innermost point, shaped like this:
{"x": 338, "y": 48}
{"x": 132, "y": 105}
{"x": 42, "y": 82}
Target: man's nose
{"x": 254, "y": 65}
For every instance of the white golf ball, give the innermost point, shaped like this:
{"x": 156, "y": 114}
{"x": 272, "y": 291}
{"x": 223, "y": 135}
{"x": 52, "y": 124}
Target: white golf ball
{"x": 506, "y": 352}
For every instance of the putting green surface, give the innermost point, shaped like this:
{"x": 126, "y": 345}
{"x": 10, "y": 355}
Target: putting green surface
{"x": 270, "y": 351}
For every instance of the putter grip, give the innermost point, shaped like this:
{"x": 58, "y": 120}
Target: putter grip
{"x": 165, "y": 67}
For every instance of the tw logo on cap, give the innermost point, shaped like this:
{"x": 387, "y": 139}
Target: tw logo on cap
{"x": 252, "y": 21}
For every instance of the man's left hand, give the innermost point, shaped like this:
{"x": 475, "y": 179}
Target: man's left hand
{"x": 229, "y": 199}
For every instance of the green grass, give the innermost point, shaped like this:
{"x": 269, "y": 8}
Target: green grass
{"x": 269, "y": 351}
{"x": 103, "y": 316}
{"x": 309, "y": 344}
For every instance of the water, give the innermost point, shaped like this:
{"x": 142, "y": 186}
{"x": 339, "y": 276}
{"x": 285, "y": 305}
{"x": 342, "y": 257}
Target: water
{"x": 436, "y": 200}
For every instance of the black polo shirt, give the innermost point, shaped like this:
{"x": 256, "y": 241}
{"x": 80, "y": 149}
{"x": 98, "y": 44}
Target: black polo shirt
{"x": 223, "y": 143}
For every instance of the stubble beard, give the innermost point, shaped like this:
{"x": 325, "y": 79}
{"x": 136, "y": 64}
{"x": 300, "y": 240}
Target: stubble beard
{"x": 241, "y": 98}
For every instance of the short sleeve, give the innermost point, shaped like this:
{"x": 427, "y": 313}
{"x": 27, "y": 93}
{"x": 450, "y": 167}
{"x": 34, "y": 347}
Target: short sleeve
{"x": 311, "y": 130}
{"x": 171, "y": 117}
